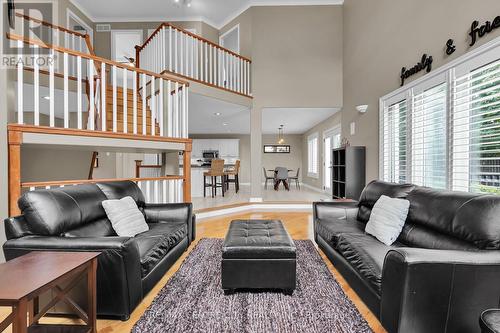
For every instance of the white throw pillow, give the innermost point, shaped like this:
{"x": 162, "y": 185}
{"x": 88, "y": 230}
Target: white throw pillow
{"x": 387, "y": 219}
{"x": 126, "y": 218}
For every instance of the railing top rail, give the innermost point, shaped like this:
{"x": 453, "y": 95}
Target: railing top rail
{"x": 167, "y": 24}
{"x": 96, "y": 58}
{"x": 93, "y": 181}
{"x": 48, "y": 24}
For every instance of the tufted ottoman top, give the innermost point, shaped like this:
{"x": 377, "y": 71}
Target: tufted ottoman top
{"x": 258, "y": 239}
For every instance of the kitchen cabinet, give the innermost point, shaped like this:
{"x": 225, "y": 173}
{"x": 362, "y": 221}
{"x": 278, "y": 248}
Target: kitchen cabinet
{"x": 226, "y": 147}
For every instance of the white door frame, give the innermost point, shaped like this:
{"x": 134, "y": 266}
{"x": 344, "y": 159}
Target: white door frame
{"x": 221, "y": 37}
{"x": 71, "y": 15}
{"x": 115, "y": 31}
{"x": 331, "y": 132}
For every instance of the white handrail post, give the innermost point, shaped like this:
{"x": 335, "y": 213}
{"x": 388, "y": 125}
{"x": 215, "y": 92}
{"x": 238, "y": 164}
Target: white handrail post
{"x": 66, "y": 91}
{"x": 103, "y": 96}
{"x": 79, "y": 91}
{"x": 153, "y": 105}
{"x": 134, "y": 97}
{"x": 169, "y": 109}
{"x": 91, "y": 94}
{"x": 160, "y": 106}
{"x": 51, "y": 90}
{"x": 125, "y": 100}
{"x": 144, "y": 87}
{"x": 115, "y": 106}
{"x": 20, "y": 86}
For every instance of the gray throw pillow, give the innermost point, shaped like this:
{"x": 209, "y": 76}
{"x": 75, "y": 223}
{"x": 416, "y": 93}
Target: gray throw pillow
{"x": 126, "y": 218}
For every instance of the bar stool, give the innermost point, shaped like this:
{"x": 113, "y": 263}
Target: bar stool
{"x": 233, "y": 171}
{"x": 216, "y": 170}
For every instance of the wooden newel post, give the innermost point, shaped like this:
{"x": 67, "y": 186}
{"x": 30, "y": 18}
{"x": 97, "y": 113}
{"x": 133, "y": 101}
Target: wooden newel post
{"x": 15, "y": 141}
{"x": 187, "y": 172}
{"x": 138, "y": 164}
{"x": 137, "y": 63}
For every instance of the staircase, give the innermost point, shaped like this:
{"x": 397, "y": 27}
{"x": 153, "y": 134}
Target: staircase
{"x": 130, "y": 112}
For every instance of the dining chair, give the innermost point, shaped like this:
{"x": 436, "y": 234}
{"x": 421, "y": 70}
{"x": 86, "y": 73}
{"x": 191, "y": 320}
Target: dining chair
{"x": 233, "y": 171}
{"x": 295, "y": 179}
{"x": 267, "y": 177}
{"x": 281, "y": 176}
{"x": 216, "y": 170}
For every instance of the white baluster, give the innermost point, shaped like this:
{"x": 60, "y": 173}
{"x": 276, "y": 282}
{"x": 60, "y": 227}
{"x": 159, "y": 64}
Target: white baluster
{"x": 160, "y": 106}
{"x": 196, "y": 57}
{"x": 156, "y": 191}
{"x": 79, "y": 91}
{"x": 134, "y": 97}
{"x": 20, "y": 86}
{"x": 51, "y": 90}
{"x": 91, "y": 95}
{"x": 162, "y": 48}
{"x": 210, "y": 64}
{"x": 36, "y": 87}
{"x": 148, "y": 191}
{"x": 182, "y": 53}
{"x": 176, "y": 51}
{"x": 202, "y": 61}
{"x": 169, "y": 110}
{"x": 115, "y": 104}
{"x": 170, "y": 48}
{"x": 164, "y": 191}
{"x": 185, "y": 111}
{"x": 192, "y": 56}
{"x": 66, "y": 91}
{"x": 125, "y": 101}
{"x": 144, "y": 87}
{"x": 249, "y": 89}
{"x": 153, "y": 105}
{"x": 176, "y": 110}
{"x": 103, "y": 96}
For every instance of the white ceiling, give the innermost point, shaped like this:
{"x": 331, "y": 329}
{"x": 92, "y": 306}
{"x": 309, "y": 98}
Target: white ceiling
{"x": 202, "y": 118}
{"x": 214, "y": 12}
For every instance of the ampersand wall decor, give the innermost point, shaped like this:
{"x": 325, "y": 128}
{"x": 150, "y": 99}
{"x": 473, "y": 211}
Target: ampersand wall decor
{"x": 450, "y": 48}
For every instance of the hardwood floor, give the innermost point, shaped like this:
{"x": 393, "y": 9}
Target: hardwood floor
{"x": 298, "y": 224}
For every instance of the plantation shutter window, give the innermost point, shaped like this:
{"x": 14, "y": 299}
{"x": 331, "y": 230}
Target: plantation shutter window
{"x": 312, "y": 157}
{"x": 443, "y": 129}
{"x": 394, "y": 141}
{"x": 428, "y": 133}
{"x": 476, "y": 130}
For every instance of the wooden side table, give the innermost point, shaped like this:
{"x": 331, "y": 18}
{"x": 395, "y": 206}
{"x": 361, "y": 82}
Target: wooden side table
{"x": 24, "y": 279}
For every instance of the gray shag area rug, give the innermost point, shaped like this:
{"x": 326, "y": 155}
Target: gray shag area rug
{"x": 193, "y": 301}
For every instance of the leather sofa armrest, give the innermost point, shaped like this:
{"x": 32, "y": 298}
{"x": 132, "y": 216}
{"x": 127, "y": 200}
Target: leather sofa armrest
{"x": 325, "y": 210}
{"x": 428, "y": 290}
{"x": 119, "y": 278}
{"x": 178, "y": 212}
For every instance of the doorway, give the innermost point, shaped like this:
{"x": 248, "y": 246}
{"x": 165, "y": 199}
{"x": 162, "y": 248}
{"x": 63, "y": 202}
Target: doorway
{"x": 331, "y": 140}
{"x": 123, "y": 44}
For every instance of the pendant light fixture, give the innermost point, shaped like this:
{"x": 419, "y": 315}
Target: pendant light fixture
{"x": 281, "y": 138}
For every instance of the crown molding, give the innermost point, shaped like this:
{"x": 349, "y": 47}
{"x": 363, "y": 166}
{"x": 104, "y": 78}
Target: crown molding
{"x": 216, "y": 25}
{"x": 262, "y": 3}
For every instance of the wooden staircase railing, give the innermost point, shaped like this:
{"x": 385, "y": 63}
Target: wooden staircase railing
{"x": 120, "y": 106}
{"x": 172, "y": 50}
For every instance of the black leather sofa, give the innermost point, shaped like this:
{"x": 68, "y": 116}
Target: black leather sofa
{"x": 73, "y": 219}
{"x": 440, "y": 274}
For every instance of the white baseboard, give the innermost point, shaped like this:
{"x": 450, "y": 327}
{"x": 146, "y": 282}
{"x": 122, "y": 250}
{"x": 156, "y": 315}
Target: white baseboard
{"x": 261, "y": 207}
{"x": 255, "y": 200}
{"x": 314, "y": 188}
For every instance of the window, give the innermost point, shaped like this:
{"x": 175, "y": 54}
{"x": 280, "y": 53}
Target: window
{"x": 443, "y": 130}
{"x": 312, "y": 156}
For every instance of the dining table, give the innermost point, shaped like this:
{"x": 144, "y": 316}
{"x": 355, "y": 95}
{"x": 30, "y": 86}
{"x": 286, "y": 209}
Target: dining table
{"x": 277, "y": 181}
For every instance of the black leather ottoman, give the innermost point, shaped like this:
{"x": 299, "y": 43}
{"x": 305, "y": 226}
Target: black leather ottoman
{"x": 258, "y": 254}
{"x": 490, "y": 321}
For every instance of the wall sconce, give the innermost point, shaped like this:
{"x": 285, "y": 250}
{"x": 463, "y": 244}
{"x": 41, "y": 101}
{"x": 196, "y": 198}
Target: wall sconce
{"x": 362, "y": 108}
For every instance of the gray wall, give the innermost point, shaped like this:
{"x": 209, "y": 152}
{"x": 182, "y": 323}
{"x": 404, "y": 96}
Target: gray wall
{"x": 380, "y": 37}
{"x": 102, "y": 40}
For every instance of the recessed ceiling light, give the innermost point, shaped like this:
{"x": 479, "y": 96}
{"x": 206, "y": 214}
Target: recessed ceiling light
{"x": 217, "y": 114}
{"x": 46, "y": 97}
{"x": 224, "y": 124}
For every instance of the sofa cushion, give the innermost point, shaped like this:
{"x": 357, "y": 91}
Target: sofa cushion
{"x": 53, "y": 212}
{"x": 331, "y": 229}
{"x": 366, "y": 255}
{"x": 466, "y": 216}
{"x": 372, "y": 192}
{"x": 155, "y": 243}
{"x": 118, "y": 190}
{"x": 98, "y": 228}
